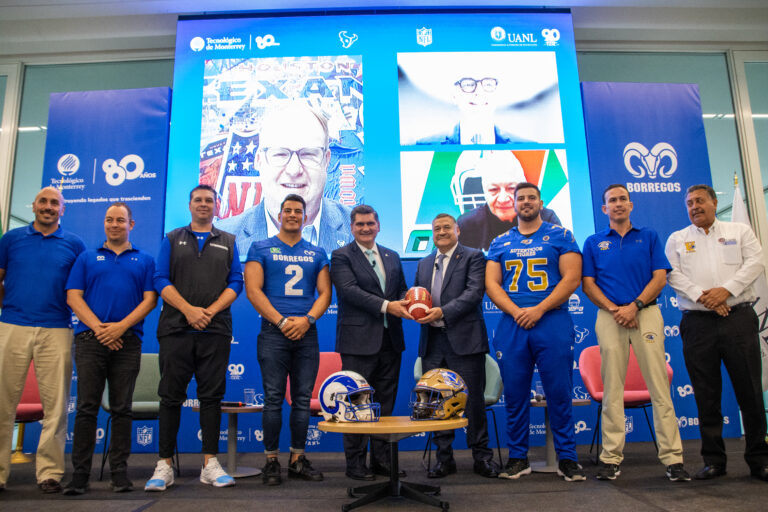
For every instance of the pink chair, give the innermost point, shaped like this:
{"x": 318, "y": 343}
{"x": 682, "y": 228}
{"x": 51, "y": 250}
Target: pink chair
{"x": 29, "y": 409}
{"x": 330, "y": 362}
{"x": 636, "y": 394}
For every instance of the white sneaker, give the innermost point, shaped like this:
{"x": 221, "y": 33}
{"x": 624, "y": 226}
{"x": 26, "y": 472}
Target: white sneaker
{"x": 213, "y": 474}
{"x": 162, "y": 478}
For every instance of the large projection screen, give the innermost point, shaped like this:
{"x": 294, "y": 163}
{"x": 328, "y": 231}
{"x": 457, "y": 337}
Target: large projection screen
{"x": 453, "y": 106}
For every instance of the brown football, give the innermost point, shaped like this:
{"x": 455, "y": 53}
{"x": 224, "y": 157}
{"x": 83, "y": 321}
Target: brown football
{"x": 419, "y": 301}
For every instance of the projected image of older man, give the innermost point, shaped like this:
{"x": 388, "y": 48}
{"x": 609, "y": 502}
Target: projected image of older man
{"x": 293, "y": 158}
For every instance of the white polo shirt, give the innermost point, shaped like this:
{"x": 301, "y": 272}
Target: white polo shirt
{"x": 729, "y": 256}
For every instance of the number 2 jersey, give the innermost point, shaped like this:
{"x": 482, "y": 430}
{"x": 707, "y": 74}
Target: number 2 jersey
{"x": 290, "y": 273}
{"x": 530, "y": 263}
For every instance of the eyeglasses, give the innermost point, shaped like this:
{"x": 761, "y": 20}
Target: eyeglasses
{"x": 308, "y": 157}
{"x": 470, "y": 84}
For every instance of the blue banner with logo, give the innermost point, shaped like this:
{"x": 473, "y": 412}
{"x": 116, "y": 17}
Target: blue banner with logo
{"x": 101, "y": 147}
{"x": 650, "y": 138}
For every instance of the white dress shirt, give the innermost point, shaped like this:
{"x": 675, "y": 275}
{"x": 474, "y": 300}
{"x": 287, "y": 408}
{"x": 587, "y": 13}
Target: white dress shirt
{"x": 448, "y": 256}
{"x": 729, "y": 256}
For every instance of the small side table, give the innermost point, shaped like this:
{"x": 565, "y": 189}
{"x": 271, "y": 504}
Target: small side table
{"x": 393, "y": 429}
{"x": 550, "y": 465}
{"x": 233, "y": 469}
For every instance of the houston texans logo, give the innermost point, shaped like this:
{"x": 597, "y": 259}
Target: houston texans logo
{"x": 347, "y": 40}
{"x": 581, "y": 333}
{"x": 661, "y": 160}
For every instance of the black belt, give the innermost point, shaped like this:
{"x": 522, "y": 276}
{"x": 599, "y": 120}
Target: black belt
{"x": 742, "y": 305}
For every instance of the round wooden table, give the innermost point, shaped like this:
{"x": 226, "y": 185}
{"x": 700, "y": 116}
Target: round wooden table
{"x": 232, "y": 468}
{"x": 393, "y": 429}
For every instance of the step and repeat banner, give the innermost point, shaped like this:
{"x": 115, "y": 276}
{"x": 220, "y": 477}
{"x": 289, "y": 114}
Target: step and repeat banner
{"x": 105, "y": 146}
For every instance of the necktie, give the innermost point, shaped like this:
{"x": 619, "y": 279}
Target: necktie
{"x": 437, "y": 283}
{"x": 379, "y": 274}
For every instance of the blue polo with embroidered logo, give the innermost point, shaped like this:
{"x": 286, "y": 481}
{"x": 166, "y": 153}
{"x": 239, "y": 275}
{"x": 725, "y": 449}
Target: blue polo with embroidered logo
{"x": 623, "y": 266}
{"x": 36, "y": 269}
{"x": 113, "y": 284}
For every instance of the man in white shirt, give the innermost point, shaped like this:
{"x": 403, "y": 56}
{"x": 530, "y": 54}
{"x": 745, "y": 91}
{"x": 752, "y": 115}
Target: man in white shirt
{"x": 714, "y": 264}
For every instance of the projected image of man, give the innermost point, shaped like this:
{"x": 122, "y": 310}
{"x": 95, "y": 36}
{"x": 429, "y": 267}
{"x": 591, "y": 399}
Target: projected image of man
{"x": 500, "y": 172}
{"x": 293, "y": 158}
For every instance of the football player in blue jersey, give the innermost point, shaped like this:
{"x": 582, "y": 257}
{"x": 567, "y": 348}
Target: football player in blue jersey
{"x": 282, "y": 274}
{"x": 531, "y": 271}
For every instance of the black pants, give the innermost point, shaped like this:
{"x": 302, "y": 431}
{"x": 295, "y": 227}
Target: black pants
{"x": 96, "y": 364}
{"x": 709, "y": 339}
{"x": 183, "y": 355}
{"x": 382, "y": 371}
{"x": 471, "y": 368}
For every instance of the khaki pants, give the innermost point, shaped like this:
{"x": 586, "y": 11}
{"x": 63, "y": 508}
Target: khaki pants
{"x": 614, "y": 343}
{"x": 51, "y": 350}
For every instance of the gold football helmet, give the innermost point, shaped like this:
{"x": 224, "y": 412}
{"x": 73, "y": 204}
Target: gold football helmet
{"x": 440, "y": 394}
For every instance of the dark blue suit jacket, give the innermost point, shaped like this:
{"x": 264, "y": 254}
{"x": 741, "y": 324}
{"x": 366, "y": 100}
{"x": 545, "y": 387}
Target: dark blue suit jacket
{"x": 461, "y": 297}
{"x": 360, "y": 324}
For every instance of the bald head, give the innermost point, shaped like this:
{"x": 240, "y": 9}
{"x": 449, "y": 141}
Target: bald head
{"x": 48, "y": 208}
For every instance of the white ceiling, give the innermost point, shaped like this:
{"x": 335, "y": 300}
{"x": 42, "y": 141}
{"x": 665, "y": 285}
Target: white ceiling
{"x": 35, "y": 29}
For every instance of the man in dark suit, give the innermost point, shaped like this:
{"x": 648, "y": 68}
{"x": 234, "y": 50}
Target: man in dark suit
{"x": 453, "y": 336}
{"x": 370, "y": 286}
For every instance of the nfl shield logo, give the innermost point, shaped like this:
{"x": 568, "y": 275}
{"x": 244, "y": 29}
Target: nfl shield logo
{"x": 629, "y": 424}
{"x": 144, "y": 435}
{"x": 424, "y": 36}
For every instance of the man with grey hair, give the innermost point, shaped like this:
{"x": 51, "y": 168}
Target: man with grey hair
{"x": 36, "y": 325}
{"x": 293, "y": 158}
{"x": 500, "y": 172}
{"x": 714, "y": 265}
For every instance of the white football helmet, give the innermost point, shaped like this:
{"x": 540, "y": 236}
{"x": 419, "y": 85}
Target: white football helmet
{"x": 346, "y": 396}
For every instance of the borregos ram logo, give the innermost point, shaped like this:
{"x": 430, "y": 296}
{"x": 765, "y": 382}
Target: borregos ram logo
{"x": 649, "y": 164}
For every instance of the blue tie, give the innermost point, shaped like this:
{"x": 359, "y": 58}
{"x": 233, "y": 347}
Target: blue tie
{"x": 437, "y": 283}
{"x": 379, "y": 274}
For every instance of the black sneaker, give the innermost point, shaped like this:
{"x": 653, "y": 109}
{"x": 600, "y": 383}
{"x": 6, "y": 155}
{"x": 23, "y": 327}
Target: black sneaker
{"x": 570, "y": 470}
{"x": 270, "y": 475}
{"x": 607, "y": 471}
{"x": 120, "y": 483}
{"x": 515, "y": 468}
{"x": 77, "y": 486}
{"x": 677, "y": 473}
{"x": 302, "y": 468}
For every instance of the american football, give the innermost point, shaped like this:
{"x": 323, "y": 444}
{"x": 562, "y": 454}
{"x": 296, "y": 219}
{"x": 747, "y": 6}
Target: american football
{"x": 419, "y": 301}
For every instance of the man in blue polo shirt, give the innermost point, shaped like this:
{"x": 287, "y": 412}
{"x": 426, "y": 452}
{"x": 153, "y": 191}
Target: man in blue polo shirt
{"x": 110, "y": 289}
{"x": 199, "y": 276}
{"x": 624, "y": 271}
{"x": 281, "y": 276}
{"x": 36, "y": 325}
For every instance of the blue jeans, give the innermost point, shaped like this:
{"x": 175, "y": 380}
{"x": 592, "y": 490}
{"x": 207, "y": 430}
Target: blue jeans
{"x": 281, "y": 358}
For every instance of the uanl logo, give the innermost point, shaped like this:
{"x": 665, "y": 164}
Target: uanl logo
{"x": 504, "y": 38}
{"x": 658, "y": 162}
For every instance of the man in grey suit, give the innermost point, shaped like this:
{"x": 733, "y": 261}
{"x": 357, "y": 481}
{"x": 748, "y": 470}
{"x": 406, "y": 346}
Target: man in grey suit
{"x": 370, "y": 287}
{"x": 292, "y": 158}
{"x": 453, "y": 336}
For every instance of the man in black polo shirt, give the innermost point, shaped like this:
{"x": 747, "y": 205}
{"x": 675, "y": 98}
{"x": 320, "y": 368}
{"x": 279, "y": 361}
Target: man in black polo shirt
{"x": 198, "y": 276}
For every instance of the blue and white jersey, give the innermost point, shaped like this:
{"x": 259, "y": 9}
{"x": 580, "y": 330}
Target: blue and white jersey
{"x": 530, "y": 264}
{"x": 290, "y": 273}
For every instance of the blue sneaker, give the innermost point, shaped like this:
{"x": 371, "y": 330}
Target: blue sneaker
{"x": 162, "y": 478}
{"x": 213, "y": 474}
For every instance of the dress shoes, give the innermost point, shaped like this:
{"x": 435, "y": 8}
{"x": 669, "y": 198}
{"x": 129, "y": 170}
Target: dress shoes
{"x": 360, "y": 474}
{"x": 486, "y": 468}
{"x": 442, "y": 469}
{"x": 708, "y": 472}
{"x": 761, "y": 473}
{"x": 384, "y": 470}
{"x": 50, "y": 486}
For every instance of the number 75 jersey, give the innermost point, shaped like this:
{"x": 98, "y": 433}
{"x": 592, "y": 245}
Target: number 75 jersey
{"x": 530, "y": 264}
{"x": 290, "y": 273}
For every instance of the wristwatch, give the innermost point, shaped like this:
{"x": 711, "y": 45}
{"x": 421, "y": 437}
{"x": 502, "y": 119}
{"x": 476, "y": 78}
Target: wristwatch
{"x": 311, "y": 319}
{"x": 640, "y": 304}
